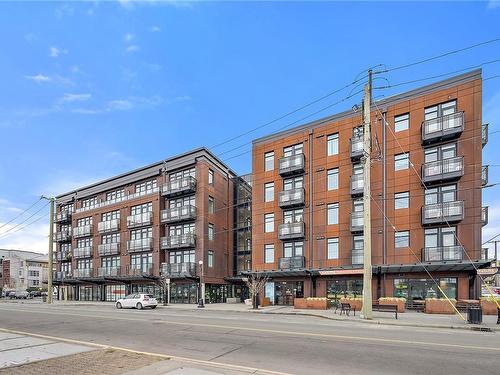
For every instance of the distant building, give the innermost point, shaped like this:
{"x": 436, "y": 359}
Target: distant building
{"x": 22, "y": 270}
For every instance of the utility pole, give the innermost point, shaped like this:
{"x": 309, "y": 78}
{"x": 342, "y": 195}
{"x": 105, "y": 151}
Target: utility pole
{"x": 51, "y": 248}
{"x": 366, "y": 312}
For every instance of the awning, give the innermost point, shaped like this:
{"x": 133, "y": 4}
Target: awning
{"x": 280, "y": 273}
{"x": 445, "y": 266}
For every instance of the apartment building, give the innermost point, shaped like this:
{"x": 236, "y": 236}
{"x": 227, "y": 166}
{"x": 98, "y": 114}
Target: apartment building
{"x": 23, "y": 270}
{"x": 426, "y": 207}
{"x": 170, "y": 220}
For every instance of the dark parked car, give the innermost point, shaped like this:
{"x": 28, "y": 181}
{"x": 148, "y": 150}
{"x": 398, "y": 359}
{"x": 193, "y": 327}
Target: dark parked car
{"x": 35, "y": 293}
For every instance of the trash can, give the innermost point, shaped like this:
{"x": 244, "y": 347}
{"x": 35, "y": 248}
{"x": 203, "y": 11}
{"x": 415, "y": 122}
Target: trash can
{"x": 474, "y": 315}
{"x": 44, "y": 299}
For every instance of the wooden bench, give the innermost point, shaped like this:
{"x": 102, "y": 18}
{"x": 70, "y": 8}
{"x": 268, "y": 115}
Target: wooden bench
{"x": 462, "y": 305}
{"x": 388, "y": 308}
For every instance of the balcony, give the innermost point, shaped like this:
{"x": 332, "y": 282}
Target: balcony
{"x": 293, "y": 164}
{"x": 82, "y": 231}
{"x": 63, "y": 217}
{"x": 62, "y": 236}
{"x": 187, "y": 269}
{"x": 357, "y": 184}
{"x": 82, "y": 252}
{"x": 443, "y": 170}
{"x": 139, "y": 220}
{"x": 291, "y": 263}
{"x": 184, "y": 185}
{"x": 442, "y": 253}
{"x": 112, "y": 225}
{"x": 138, "y": 270}
{"x": 61, "y": 275}
{"x": 111, "y": 202}
{"x": 177, "y": 214}
{"x": 289, "y": 231}
{"x": 357, "y": 257}
{"x": 442, "y": 213}
{"x": 484, "y": 215}
{"x": 292, "y": 198}
{"x": 108, "y": 249}
{"x": 108, "y": 271}
{"x": 442, "y": 128}
{"x": 178, "y": 241}
{"x": 484, "y": 134}
{"x": 357, "y": 221}
{"x": 142, "y": 244}
{"x": 63, "y": 255}
{"x": 83, "y": 272}
{"x": 484, "y": 175}
{"x": 356, "y": 147}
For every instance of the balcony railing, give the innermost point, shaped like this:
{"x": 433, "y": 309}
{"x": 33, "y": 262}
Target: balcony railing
{"x": 83, "y": 272}
{"x": 178, "y": 241}
{"x": 443, "y": 212}
{"x": 117, "y": 200}
{"x": 357, "y": 184}
{"x": 139, "y": 220}
{"x": 443, "y": 127}
{"x": 176, "y": 214}
{"x": 108, "y": 249}
{"x": 82, "y": 252}
{"x": 108, "y": 271}
{"x": 63, "y": 255}
{"x": 112, "y": 225}
{"x": 292, "y": 263}
{"x": 442, "y": 253}
{"x": 484, "y": 175}
{"x": 138, "y": 270}
{"x": 442, "y": 170}
{"x": 142, "y": 244}
{"x": 184, "y": 185}
{"x": 292, "y": 164}
{"x": 62, "y": 236}
{"x": 61, "y": 275}
{"x": 357, "y": 257}
{"x": 63, "y": 216}
{"x": 292, "y": 198}
{"x": 484, "y": 134}
{"x": 290, "y": 231}
{"x": 187, "y": 269}
{"x": 82, "y": 231}
{"x": 484, "y": 215}
{"x": 356, "y": 147}
{"x": 357, "y": 221}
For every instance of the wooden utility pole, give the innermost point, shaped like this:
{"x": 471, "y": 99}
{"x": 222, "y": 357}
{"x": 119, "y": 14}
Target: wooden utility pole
{"x": 366, "y": 312}
{"x": 51, "y": 248}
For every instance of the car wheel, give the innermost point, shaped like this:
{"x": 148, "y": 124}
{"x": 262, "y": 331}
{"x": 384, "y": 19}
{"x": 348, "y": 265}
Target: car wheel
{"x": 118, "y": 305}
{"x": 153, "y": 307}
{"x": 138, "y": 306}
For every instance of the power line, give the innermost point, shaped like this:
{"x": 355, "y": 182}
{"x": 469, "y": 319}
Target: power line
{"x": 22, "y": 213}
{"x": 23, "y": 227}
{"x": 22, "y": 222}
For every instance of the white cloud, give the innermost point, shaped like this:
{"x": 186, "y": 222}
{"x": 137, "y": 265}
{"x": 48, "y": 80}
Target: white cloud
{"x": 123, "y": 104}
{"x": 120, "y": 105}
{"x": 128, "y": 37}
{"x": 54, "y": 52}
{"x": 492, "y": 4}
{"x": 132, "y": 48}
{"x": 74, "y": 97}
{"x": 74, "y": 69}
{"x": 155, "y": 29}
{"x": 32, "y": 238}
{"x": 130, "y": 4}
{"x": 30, "y": 37}
{"x": 39, "y": 78}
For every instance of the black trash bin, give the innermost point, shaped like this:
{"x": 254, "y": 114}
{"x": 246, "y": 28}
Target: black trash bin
{"x": 474, "y": 315}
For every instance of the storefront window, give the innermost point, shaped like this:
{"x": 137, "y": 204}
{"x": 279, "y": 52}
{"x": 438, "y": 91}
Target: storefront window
{"x": 420, "y": 289}
{"x": 344, "y": 287}
{"x": 449, "y": 286}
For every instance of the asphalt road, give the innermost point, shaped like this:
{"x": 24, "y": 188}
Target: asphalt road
{"x": 289, "y": 344}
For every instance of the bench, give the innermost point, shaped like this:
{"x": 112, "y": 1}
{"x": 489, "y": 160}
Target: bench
{"x": 388, "y": 308}
{"x": 345, "y": 308}
{"x": 462, "y": 305}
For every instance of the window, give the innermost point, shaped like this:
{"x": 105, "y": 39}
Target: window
{"x": 333, "y": 179}
{"x": 293, "y": 150}
{"x": 107, "y": 216}
{"x": 84, "y": 221}
{"x": 110, "y": 262}
{"x": 111, "y": 238}
{"x": 401, "y": 239}
{"x": 211, "y": 205}
{"x": 332, "y": 142}
{"x": 176, "y": 257}
{"x": 268, "y": 223}
{"x": 269, "y": 161}
{"x": 89, "y": 202}
{"x": 84, "y": 242}
{"x": 114, "y": 195}
{"x": 269, "y": 253}
{"x": 211, "y": 231}
{"x": 333, "y": 213}
{"x": 293, "y": 183}
{"x": 210, "y": 177}
{"x": 141, "y": 209}
{"x": 293, "y": 216}
{"x": 441, "y": 110}
{"x": 293, "y": 249}
{"x": 143, "y": 233}
{"x": 269, "y": 192}
{"x": 146, "y": 187}
{"x": 441, "y": 194}
{"x": 181, "y": 174}
{"x": 177, "y": 230}
{"x": 401, "y": 200}
{"x": 210, "y": 258}
{"x": 401, "y": 122}
{"x": 440, "y": 153}
{"x": 401, "y": 161}
{"x": 181, "y": 202}
{"x": 333, "y": 248}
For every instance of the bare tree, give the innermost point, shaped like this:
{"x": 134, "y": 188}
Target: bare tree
{"x": 255, "y": 283}
{"x": 163, "y": 282}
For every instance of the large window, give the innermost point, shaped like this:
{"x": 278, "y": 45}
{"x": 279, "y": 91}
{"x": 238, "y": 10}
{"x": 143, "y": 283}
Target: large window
{"x": 441, "y": 110}
{"x": 110, "y": 262}
{"x": 141, "y": 209}
{"x": 269, "y": 253}
{"x": 210, "y": 258}
{"x": 269, "y": 161}
{"x": 292, "y": 249}
{"x": 332, "y": 144}
{"x": 113, "y": 195}
{"x": 84, "y": 221}
{"x": 269, "y": 223}
{"x": 441, "y": 194}
{"x": 211, "y": 205}
{"x": 333, "y": 179}
{"x": 333, "y": 248}
{"x": 401, "y": 161}
{"x": 107, "y": 216}
{"x": 210, "y": 177}
{"x": 401, "y": 239}
{"x": 143, "y": 262}
{"x": 181, "y": 174}
{"x": 146, "y": 187}
{"x": 401, "y": 122}
{"x": 293, "y": 150}
{"x": 293, "y": 183}
{"x": 181, "y": 256}
{"x": 441, "y": 152}
{"x": 293, "y": 216}
{"x": 84, "y": 242}
{"x": 401, "y": 200}
{"x": 89, "y": 202}
{"x": 181, "y": 202}
{"x": 111, "y": 238}
{"x": 269, "y": 192}
{"x": 211, "y": 231}
{"x": 333, "y": 213}
{"x": 142, "y": 233}
{"x": 177, "y": 230}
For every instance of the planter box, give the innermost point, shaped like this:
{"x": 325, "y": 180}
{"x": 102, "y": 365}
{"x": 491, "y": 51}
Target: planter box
{"x": 401, "y": 304}
{"x": 489, "y": 307}
{"x": 355, "y": 304}
{"x": 233, "y": 300}
{"x": 439, "y": 306}
{"x": 313, "y": 304}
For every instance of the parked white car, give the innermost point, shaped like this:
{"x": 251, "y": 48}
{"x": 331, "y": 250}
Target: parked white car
{"x": 138, "y": 301}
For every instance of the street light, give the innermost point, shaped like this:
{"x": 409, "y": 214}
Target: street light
{"x": 201, "y": 299}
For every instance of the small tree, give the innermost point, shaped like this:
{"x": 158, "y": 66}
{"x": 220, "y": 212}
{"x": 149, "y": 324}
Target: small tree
{"x": 255, "y": 283}
{"x": 163, "y": 282}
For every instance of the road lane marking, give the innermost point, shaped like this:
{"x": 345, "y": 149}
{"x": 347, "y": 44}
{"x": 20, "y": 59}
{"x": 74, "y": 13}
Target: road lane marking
{"x": 289, "y": 333}
{"x": 164, "y": 356}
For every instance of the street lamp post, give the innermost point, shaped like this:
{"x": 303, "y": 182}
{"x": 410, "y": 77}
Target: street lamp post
{"x": 201, "y": 299}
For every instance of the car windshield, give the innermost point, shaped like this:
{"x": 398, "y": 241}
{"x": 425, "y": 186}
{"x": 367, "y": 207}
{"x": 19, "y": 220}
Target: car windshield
{"x": 149, "y": 296}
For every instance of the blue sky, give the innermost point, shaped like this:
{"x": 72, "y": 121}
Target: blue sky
{"x": 93, "y": 89}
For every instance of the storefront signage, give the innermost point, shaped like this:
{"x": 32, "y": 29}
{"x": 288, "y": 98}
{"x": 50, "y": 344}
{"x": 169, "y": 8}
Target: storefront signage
{"x": 487, "y": 271}
{"x": 341, "y": 272}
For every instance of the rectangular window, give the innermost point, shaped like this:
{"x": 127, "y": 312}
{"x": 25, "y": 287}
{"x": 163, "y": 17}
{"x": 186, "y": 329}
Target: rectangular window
{"x": 292, "y": 249}
{"x": 401, "y": 122}
{"x": 268, "y": 223}
{"x": 211, "y": 205}
{"x": 333, "y": 248}
{"x": 333, "y": 213}
{"x": 141, "y": 208}
{"x": 211, "y": 232}
{"x": 401, "y": 161}
{"x": 115, "y": 195}
{"x": 269, "y": 192}
{"x": 181, "y": 174}
{"x": 293, "y": 183}
{"x": 107, "y": 216}
{"x": 401, "y": 200}
{"x": 181, "y": 202}
{"x": 332, "y": 144}
{"x": 401, "y": 239}
{"x": 293, "y": 150}
{"x": 210, "y": 177}
{"x": 146, "y": 187}
{"x": 333, "y": 179}
{"x": 143, "y": 233}
{"x": 89, "y": 202}
{"x": 210, "y": 258}
{"x": 269, "y": 253}
{"x": 269, "y": 161}
{"x": 293, "y": 216}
